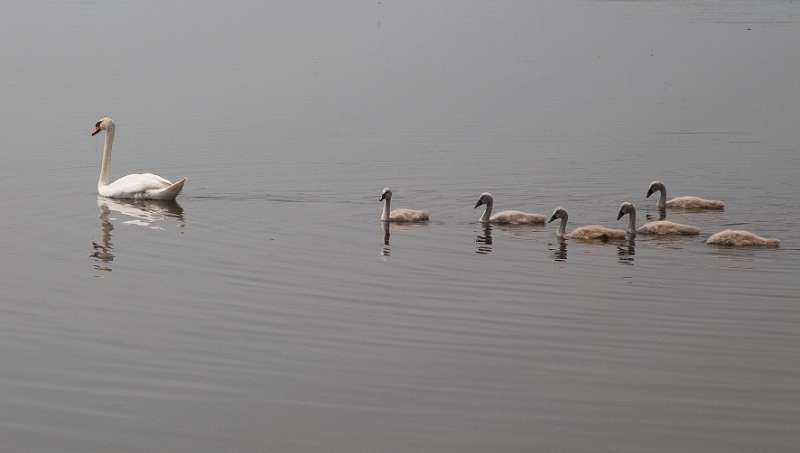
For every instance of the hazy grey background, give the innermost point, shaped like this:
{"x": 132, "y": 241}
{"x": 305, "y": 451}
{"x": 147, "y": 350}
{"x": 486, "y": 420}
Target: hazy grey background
{"x": 266, "y": 313}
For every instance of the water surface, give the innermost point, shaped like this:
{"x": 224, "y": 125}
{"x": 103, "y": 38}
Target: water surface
{"x": 269, "y": 310}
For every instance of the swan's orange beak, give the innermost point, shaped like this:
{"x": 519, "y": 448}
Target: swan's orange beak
{"x": 96, "y": 131}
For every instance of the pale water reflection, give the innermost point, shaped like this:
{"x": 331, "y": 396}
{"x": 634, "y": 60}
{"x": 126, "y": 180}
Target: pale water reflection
{"x": 103, "y": 249}
{"x": 151, "y": 214}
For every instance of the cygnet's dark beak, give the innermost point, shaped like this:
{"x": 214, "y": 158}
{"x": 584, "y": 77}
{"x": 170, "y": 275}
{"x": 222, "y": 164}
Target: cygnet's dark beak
{"x": 96, "y": 131}
{"x": 620, "y": 214}
{"x": 650, "y": 191}
{"x": 552, "y": 217}
{"x": 383, "y": 195}
{"x": 480, "y": 202}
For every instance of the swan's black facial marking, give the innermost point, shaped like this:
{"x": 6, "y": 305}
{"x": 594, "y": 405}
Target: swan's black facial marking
{"x": 97, "y": 124}
{"x": 383, "y": 197}
{"x": 654, "y": 187}
{"x": 480, "y": 202}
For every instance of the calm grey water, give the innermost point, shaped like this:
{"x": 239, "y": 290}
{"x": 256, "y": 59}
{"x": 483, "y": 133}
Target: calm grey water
{"x": 270, "y": 311}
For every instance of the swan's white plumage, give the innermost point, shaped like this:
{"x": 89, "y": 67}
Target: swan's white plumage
{"x": 145, "y": 186}
{"x": 142, "y": 186}
{"x": 587, "y": 232}
{"x": 741, "y": 238}
{"x": 686, "y": 202}
{"x": 400, "y": 215}
{"x": 660, "y": 227}
{"x": 509, "y": 217}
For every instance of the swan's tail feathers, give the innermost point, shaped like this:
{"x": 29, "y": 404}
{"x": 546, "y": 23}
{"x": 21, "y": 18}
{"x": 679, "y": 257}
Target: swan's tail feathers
{"x": 169, "y": 193}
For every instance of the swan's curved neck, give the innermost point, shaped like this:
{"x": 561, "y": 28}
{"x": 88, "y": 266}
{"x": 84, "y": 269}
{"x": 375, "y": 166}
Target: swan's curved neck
{"x": 562, "y": 229}
{"x": 662, "y": 200}
{"x": 105, "y": 161}
{"x": 487, "y": 213}
{"x": 386, "y": 208}
{"x": 632, "y": 222}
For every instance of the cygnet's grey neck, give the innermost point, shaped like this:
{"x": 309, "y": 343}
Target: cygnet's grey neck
{"x": 562, "y": 229}
{"x": 487, "y": 213}
{"x": 632, "y": 222}
{"x": 662, "y": 200}
{"x": 385, "y": 214}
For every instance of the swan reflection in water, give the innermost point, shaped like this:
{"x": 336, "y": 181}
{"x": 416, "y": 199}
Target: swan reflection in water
{"x": 388, "y": 227}
{"x": 626, "y": 251}
{"x": 483, "y": 242}
{"x": 559, "y": 250}
{"x": 143, "y": 213}
{"x": 386, "y": 250}
{"x": 662, "y": 214}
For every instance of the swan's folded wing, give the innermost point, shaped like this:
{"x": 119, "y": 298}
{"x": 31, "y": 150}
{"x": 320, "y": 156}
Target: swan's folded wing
{"x": 596, "y": 232}
{"x": 163, "y": 181}
{"x": 132, "y": 186}
{"x": 690, "y": 202}
{"x": 517, "y": 217}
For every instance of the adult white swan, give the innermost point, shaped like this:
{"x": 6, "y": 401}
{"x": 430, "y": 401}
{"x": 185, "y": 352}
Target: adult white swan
{"x": 659, "y": 228}
{"x": 400, "y": 215}
{"x": 137, "y": 186}
{"x": 586, "y": 233}
{"x": 695, "y": 203}
{"x": 506, "y": 217}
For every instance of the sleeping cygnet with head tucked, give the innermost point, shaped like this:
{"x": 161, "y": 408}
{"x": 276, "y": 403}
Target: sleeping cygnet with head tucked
{"x": 659, "y": 228}
{"x": 400, "y": 215}
{"x": 692, "y": 203}
{"x": 741, "y": 238}
{"x": 506, "y": 217}
{"x": 585, "y": 233}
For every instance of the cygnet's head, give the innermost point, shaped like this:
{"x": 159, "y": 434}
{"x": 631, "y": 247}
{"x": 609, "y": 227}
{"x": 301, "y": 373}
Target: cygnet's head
{"x": 104, "y": 124}
{"x": 655, "y": 186}
{"x": 386, "y": 194}
{"x": 626, "y": 208}
{"x": 558, "y": 213}
{"x": 485, "y": 198}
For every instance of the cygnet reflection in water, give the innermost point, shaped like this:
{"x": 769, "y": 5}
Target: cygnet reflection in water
{"x": 145, "y": 213}
{"x": 389, "y": 227}
{"x": 483, "y": 242}
{"x": 660, "y": 215}
{"x": 626, "y": 251}
{"x": 558, "y": 249}
{"x": 386, "y": 250}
